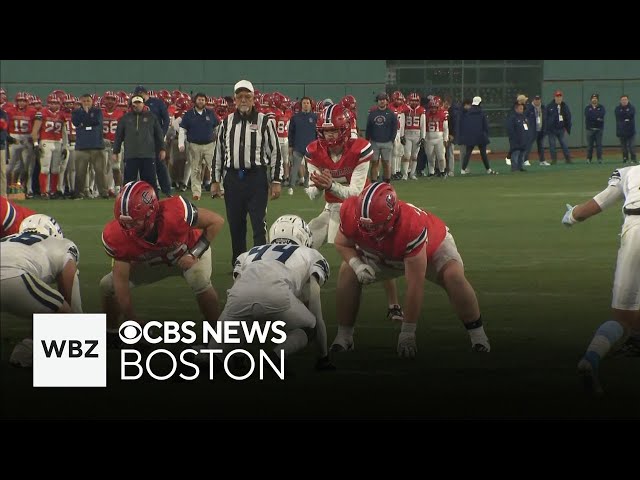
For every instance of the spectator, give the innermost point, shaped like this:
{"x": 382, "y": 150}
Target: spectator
{"x": 558, "y": 121}
{"x": 536, "y": 114}
{"x": 474, "y": 130}
{"x": 198, "y": 125}
{"x": 89, "y": 146}
{"x": 141, "y": 134}
{"x": 518, "y": 132}
{"x": 594, "y": 121}
{"x": 302, "y": 131}
{"x": 382, "y": 125}
{"x": 247, "y": 144}
{"x": 4, "y": 125}
{"x": 626, "y": 128}
{"x": 521, "y": 98}
{"x": 159, "y": 109}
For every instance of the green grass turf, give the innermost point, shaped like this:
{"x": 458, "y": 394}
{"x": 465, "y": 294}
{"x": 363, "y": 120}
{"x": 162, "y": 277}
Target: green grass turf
{"x": 543, "y": 290}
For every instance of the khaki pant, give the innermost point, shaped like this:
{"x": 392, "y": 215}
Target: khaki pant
{"x": 199, "y": 156}
{"x": 97, "y": 160}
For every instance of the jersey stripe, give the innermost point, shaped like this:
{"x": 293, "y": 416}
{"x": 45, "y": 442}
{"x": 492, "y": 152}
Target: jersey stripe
{"x": 417, "y": 241}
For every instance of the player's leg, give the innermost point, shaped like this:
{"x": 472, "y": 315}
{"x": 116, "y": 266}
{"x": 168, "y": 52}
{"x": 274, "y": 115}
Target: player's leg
{"x": 625, "y": 311}
{"x": 348, "y": 291}
{"x": 406, "y": 160}
{"x": 447, "y": 269}
{"x": 299, "y": 326}
{"x": 319, "y": 227}
{"x": 56, "y": 160}
{"x": 23, "y": 296}
{"x": 198, "y": 278}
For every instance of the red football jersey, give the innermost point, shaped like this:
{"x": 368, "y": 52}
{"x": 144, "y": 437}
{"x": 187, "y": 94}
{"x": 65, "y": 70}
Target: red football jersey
{"x": 51, "y": 126}
{"x": 12, "y": 216}
{"x": 21, "y": 121}
{"x": 414, "y": 229}
{"x": 176, "y": 235}
{"x": 356, "y": 151}
{"x": 110, "y": 123}
{"x": 71, "y": 128}
{"x": 282, "y": 123}
{"x": 435, "y": 120}
{"x": 412, "y": 118}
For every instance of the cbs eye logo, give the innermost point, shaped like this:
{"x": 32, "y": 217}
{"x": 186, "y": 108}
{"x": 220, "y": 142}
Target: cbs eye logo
{"x": 130, "y": 332}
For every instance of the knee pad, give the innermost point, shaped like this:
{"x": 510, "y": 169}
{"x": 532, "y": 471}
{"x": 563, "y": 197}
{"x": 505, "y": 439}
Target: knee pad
{"x": 106, "y": 285}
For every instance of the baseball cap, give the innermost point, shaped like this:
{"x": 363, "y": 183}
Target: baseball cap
{"x": 140, "y": 89}
{"x": 476, "y": 101}
{"x": 557, "y": 93}
{"x": 137, "y": 98}
{"x": 595, "y": 95}
{"x": 537, "y": 97}
{"x": 243, "y": 84}
{"x": 382, "y": 96}
{"x": 522, "y": 98}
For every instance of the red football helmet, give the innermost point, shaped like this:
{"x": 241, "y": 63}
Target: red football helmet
{"x": 377, "y": 210}
{"x": 21, "y": 96}
{"x": 334, "y": 117}
{"x": 397, "y": 98}
{"x": 413, "y": 100}
{"x": 434, "y": 104}
{"x": 53, "y": 102}
{"x": 3, "y": 95}
{"x": 136, "y": 208}
{"x": 349, "y": 102}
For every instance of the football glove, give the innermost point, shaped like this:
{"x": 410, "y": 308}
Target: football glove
{"x": 407, "y": 347}
{"x": 403, "y": 140}
{"x": 65, "y": 154}
{"x": 365, "y": 273}
{"x": 568, "y": 220}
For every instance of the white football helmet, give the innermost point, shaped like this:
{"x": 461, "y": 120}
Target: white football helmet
{"x": 290, "y": 228}
{"x": 42, "y": 224}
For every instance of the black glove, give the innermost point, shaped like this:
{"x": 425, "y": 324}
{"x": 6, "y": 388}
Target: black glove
{"x": 11, "y": 140}
{"x": 421, "y": 143}
{"x": 65, "y": 154}
{"x": 324, "y": 364}
{"x": 403, "y": 140}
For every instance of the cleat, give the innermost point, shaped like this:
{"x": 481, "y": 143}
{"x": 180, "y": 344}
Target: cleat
{"x": 395, "y": 314}
{"x": 342, "y": 345}
{"x": 480, "y": 347}
{"x": 22, "y": 354}
{"x": 590, "y": 380}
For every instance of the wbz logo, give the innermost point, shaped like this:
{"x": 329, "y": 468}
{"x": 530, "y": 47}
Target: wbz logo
{"x": 69, "y": 350}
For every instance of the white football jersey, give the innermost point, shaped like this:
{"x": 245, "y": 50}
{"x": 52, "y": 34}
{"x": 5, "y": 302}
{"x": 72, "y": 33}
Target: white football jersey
{"x": 292, "y": 263}
{"x": 627, "y": 180}
{"x": 42, "y": 256}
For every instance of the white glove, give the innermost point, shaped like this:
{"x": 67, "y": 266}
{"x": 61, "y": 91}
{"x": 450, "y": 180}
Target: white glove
{"x": 568, "y": 219}
{"x": 365, "y": 273}
{"x": 407, "y": 347}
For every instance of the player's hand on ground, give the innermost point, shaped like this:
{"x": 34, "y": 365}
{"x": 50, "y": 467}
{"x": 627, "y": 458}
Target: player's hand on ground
{"x": 407, "y": 347}
{"x": 568, "y": 219}
{"x": 366, "y": 274}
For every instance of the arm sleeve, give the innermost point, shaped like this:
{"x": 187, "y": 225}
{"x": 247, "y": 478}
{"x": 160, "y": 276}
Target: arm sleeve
{"x": 219, "y": 153}
{"x": 277, "y": 172}
{"x": 355, "y": 187}
{"x": 423, "y": 126}
{"x": 613, "y": 193}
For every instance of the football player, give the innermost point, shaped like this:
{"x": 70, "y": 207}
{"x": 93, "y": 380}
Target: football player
{"x": 274, "y": 281}
{"x": 382, "y": 237}
{"x": 624, "y": 184}
{"x": 151, "y": 240}
{"x": 415, "y": 131}
{"x": 437, "y": 135}
{"x": 12, "y": 216}
{"x": 37, "y": 256}
{"x": 338, "y": 168}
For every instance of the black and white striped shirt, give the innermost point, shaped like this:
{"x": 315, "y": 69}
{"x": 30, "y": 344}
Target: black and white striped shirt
{"x": 247, "y": 142}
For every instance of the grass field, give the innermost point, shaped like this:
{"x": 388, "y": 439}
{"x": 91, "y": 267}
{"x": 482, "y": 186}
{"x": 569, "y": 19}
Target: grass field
{"x": 543, "y": 289}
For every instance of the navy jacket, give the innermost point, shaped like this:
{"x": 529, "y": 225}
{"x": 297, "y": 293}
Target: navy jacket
{"x": 199, "y": 127}
{"x": 454, "y": 114}
{"x": 594, "y": 117}
{"x": 625, "y": 121}
{"x": 554, "y": 125}
{"x": 302, "y": 131}
{"x": 382, "y": 126}
{"x": 4, "y": 132}
{"x": 88, "y": 128}
{"x": 473, "y": 127}
{"x": 159, "y": 109}
{"x": 518, "y": 130}
{"x": 530, "y": 113}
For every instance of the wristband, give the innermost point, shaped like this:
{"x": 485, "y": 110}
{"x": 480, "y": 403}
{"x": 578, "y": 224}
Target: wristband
{"x": 200, "y": 247}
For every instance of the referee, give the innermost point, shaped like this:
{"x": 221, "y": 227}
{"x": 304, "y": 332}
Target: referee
{"x": 247, "y": 144}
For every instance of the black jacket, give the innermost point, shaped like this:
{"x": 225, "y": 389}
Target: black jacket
{"x": 141, "y": 134}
